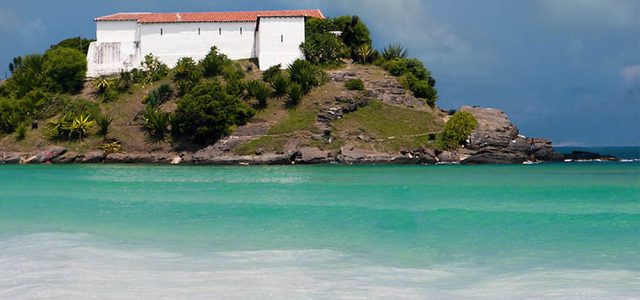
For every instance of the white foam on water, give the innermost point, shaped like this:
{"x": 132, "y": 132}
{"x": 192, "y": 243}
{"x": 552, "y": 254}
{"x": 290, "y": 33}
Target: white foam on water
{"x": 77, "y": 266}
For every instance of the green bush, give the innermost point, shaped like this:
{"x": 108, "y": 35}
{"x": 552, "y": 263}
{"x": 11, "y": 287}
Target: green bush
{"x": 295, "y": 93}
{"x": 354, "y": 32}
{"x": 259, "y": 90}
{"x": 64, "y": 69}
{"x": 236, "y": 88}
{"x": 207, "y": 113}
{"x": 306, "y": 75}
{"x": 27, "y": 75}
{"x": 323, "y": 48}
{"x": 280, "y": 84}
{"x": 78, "y": 43}
{"x": 232, "y": 71}
{"x": 394, "y": 51}
{"x": 124, "y": 82}
{"x": 152, "y": 69}
{"x": 103, "y": 122}
{"x": 364, "y": 54}
{"x": 271, "y": 73}
{"x": 213, "y": 64}
{"x": 186, "y": 69}
{"x": 422, "y": 89}
{"x": 354, "y": 85}
{"x": 158, "y": 96}
{"x": 156, "y": 123}
{"x": 456, "y": 131}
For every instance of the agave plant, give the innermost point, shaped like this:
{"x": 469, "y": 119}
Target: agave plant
{"x": 80, "y": 127}
{"x": 103, "y": 121}
{"x": 260, "y": 91}
{"x": 101, "y": 85}
{"x": 280, "y": 84}
{"x": 155, "y": 123}
{"x": 295, "y": 93}
{"x": 364, "y": 53}
{"x": 394, "y": 50}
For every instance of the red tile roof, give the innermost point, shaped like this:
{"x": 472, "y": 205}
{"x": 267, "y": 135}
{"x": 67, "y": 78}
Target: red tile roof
{"x": 237, "y": 16}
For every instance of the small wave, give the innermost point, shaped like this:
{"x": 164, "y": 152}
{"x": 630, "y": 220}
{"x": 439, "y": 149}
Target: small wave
{"x": 78, "y": 266}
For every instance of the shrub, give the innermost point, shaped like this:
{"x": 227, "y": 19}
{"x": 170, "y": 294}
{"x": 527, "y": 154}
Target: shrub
{"x": 271, "y": 73}
{"x": 232, "y": 71}
{"x": 124, "y": 82}
{"x": 80, "y": 106}
{"x": 354, "y": 32}
{"x": 422, "y": 89}
{"x": 260, "y": 91}
{"x": 236, "y": 88}
{"x": 394, "y": 51}
{"x": 213, "y": 64}
{"x": 354, "y": 85}
{"x": 78, "y": 43}
{"x": 103, "y": 122}
{"x": 65, "y": 69}
{"x": 323, "y": 48}
{"x": 186, "y": 69}
{"x": 27, "y": 75}
{"x": 295, "y": 93}
{"x": 156, "y": 123}
{"x": 457, "y": 130}
{"x": 111, "y": 147}
{"x": 207, "y": 113}
{"x": 306, "y": 75}
{"x": 280, "y": 84}
{"x": 153, "y": 69}
{"x": 158, "y": 96}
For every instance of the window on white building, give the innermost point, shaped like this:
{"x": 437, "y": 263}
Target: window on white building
{"x": 240, "y": 30}
{"x": 198, "y": 31}
{"x": 282, "y": 38}
{"x": 220, "y": 30}
{"x": 161, "y": 31}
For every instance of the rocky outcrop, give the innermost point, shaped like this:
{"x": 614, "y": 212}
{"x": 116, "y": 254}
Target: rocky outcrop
{"x": 497, "y": 141}
{"x": 588, "y": 156}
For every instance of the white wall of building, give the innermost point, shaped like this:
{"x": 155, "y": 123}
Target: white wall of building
{"x": 183, "y": 40}
{"x": 122, "y": 45}
{"x": 120, "y": 31}
{"x": 279, "y": 41}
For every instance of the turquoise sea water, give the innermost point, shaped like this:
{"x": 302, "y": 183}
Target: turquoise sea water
{"x": 563, "y": 231}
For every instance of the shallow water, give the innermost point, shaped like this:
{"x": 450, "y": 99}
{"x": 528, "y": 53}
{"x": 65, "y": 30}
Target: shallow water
{"x": 564, "y": 231}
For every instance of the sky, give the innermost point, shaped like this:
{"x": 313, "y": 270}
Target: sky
{"x": 568, "y": 70}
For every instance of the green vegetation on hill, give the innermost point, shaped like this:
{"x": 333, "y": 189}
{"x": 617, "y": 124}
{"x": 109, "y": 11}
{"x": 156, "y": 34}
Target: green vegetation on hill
{"x": 388, "y": 128}
{"x": 199, "y": 102}
{"x": 456, "y": 131}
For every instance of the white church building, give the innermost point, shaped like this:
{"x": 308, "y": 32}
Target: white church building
{"x": 123, "y": 39}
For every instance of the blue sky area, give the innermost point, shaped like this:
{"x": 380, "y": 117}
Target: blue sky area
{"x": 564, "y": 69}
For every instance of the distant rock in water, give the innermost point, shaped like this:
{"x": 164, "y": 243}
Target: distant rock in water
{"x": 497, "y": 141}
{"x": 585, "y": 155}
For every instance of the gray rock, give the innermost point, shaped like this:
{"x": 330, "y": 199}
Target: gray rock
{"x": 448, "y": 157}
{"x": 10, "y": 158}
{"x": 313, "y": 155}
{"x": 93, "y": 157}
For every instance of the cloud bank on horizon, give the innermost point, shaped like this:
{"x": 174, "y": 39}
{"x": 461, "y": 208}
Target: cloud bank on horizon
{"x": 568, "y": 70}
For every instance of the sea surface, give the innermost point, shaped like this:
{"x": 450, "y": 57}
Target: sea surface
{"x": 547, "y": 231}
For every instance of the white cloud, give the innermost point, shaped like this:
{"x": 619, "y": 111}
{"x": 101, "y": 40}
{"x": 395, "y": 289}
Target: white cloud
{"x": 631, "y": 74}
{"x": 594, "y": 13}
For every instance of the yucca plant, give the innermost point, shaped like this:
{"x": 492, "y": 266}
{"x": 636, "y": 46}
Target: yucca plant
{"x": 101, "y": 85}
{"x": 80, "y": 127}
{"x": 260, "y": 91}
{"x": 103, "y": 122}
{"x": 295, "y": 93}
{"x": 21, "y": 132}
{"x": 394, "y": 50}
{"x": 280, "y": 84}
{"x": 59, "y": 127}
{"x": 156, "y": 123}
{"x": 364, "y": 53}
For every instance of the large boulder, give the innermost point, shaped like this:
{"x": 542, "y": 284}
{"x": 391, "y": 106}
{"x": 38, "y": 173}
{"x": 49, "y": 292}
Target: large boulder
{"x": 497, "y": 141}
